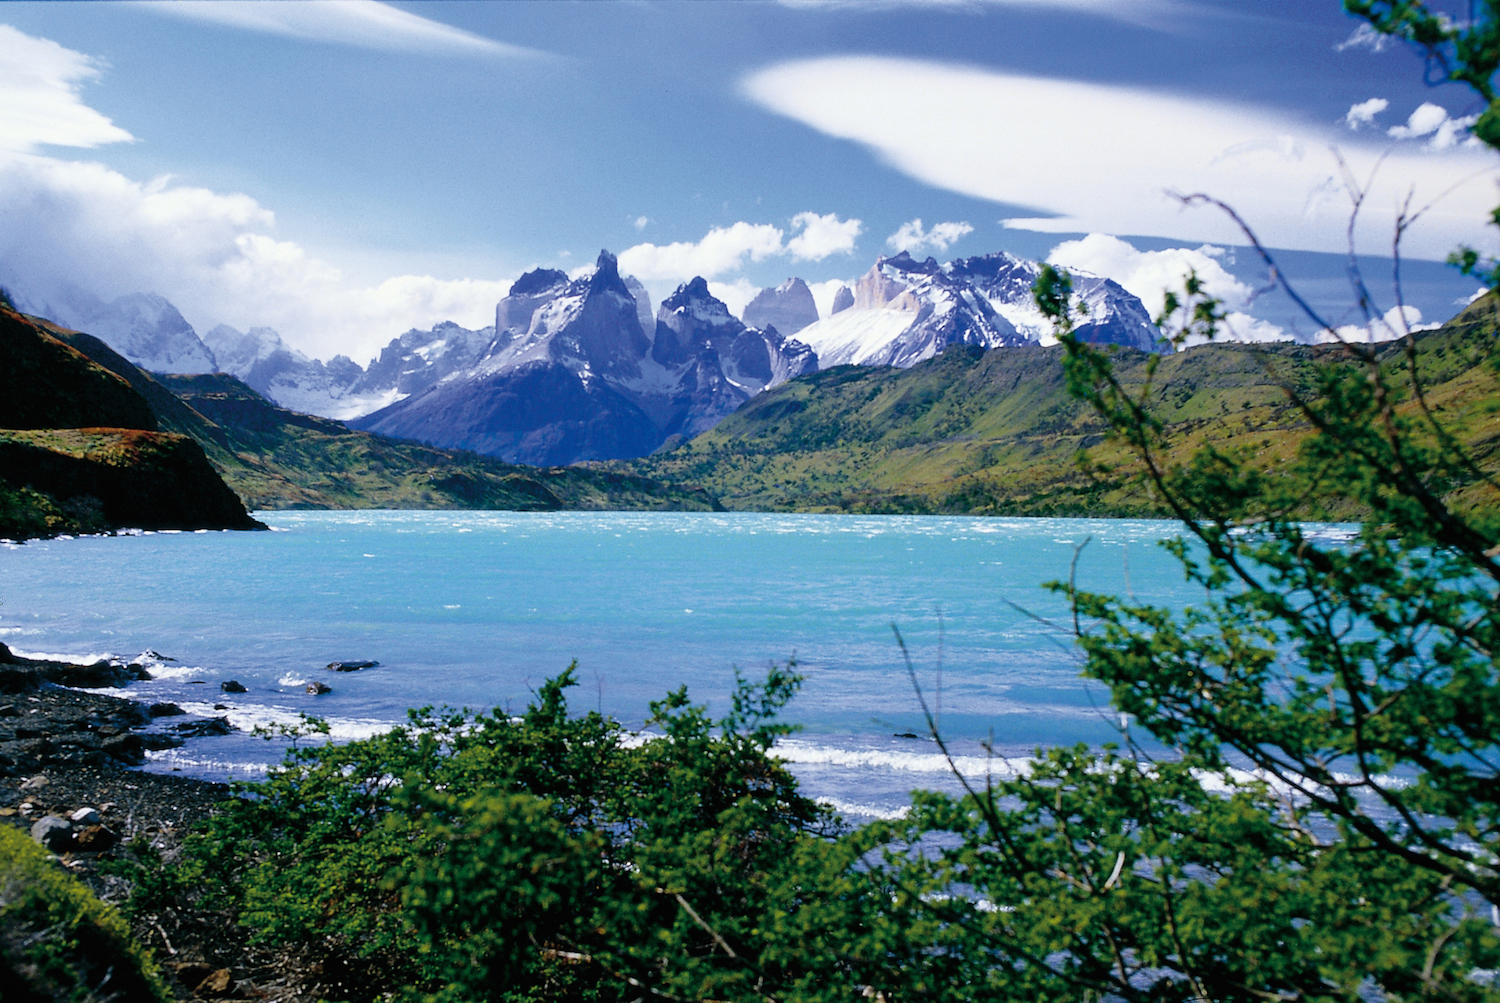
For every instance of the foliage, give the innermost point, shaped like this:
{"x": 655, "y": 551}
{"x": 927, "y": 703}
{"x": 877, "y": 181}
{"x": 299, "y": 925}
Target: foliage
{"x": 1324, "y": 825}
{"x": 472, "y": 857}
{"x": 59, "y": 942}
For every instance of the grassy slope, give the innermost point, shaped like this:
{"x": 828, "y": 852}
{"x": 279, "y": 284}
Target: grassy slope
{"x": 997, "y": 433}
{"x": 275, "y": 458}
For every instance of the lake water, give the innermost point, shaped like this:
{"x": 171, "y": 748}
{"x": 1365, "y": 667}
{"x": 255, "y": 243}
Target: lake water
{"x": 477, "y": 608}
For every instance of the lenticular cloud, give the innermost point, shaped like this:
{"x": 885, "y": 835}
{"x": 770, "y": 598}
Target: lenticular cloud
{"x": 1093, "y": 158}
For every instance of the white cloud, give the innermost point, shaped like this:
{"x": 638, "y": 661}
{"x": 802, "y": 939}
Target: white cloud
{"x": 76, "y": 228}
{"x": 1433, "y": 120}
{"x": 1364, "y": 113}
{"x": 39, "y": 102}
{"x": 912, "y": 237}
{"x": 979, "y": 133}
{"x": 1151, "y": 13}
{"x": 1243, "y": 327}
{"x": 1364, "y": 37}
{"x": 722, "y": 249}
{"x": 824, "y": 292}
{"x": 1150, "y": 275}
{"x": 1396, "y": 323}
{"x": 363, "y": 24}
{"x": 728, "y": 249}
{"x": 822, "y": 236}
{"x": 735, "y": 295}
{"x": 641, "y": 222}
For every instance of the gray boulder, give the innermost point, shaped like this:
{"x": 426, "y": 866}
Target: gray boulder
{"x": 53, "y": 832}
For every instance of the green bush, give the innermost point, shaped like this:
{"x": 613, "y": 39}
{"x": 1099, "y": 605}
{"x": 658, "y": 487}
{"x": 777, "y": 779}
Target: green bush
{"x": 58, "y": 941}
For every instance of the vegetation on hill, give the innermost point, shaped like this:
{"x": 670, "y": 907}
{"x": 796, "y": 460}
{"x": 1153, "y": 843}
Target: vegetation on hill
{"x": 277, "y": 458}
{"x": 60, "y": 943}
{"x": 998, "y": 433}
{"x": 81, "y": 450}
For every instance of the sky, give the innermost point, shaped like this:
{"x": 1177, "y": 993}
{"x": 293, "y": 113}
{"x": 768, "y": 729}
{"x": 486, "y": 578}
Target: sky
{"x": 344, "y": 170}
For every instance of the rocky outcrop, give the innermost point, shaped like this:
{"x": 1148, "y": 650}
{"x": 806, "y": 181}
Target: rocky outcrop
{"x": 842, "y": 300}
{"x": 788, "y": 308}
{"x": 101, "y": 479}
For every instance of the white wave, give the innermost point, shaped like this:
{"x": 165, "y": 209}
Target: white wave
{"x": 249, "y": 717}
{"x": 906, "y": 762}
{"x": 164, "y": 672}
{"x": 847, "y": 808}
{"x": 72, "y": 659}
{"x": 190, "y": 763}
{"x": 291, "y": 680}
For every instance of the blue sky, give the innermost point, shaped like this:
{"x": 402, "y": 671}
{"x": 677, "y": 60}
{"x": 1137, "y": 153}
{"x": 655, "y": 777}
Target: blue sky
{"x": 342, "y": 171}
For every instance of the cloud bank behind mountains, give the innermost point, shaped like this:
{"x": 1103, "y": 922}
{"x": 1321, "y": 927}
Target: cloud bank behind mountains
{"x": 1096, "y": 158}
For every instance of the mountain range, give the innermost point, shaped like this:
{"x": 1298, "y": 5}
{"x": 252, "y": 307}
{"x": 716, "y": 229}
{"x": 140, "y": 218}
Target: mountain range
{"x": 996, "y": 432}
{"x": 581, "y": 367}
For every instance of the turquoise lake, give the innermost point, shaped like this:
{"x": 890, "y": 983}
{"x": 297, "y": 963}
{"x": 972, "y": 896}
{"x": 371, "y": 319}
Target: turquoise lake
{"x": 477, "y": 608}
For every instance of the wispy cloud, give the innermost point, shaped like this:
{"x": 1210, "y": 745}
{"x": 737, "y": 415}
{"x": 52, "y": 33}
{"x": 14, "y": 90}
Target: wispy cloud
{"x": 1152, "y": 13}
{"x": 1365, "y": 37}
{"x": 39, "y": 97}
{"x": 1104, "y": 158}
{"x": 363, "y": 24}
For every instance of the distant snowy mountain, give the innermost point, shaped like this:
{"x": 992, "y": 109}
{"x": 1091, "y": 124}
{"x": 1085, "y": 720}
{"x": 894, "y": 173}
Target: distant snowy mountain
{"x": 716, "y": 361}
{"x": 571, "y": 373}
{"x": 905, "y": 311}
{"x": 261, "y": 360}
{"x": 144, "y": 328}
{"x": 1105, "y": 312}
{"x": 788, "y": 308}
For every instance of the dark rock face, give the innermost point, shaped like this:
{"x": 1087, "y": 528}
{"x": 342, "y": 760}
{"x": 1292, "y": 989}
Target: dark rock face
{"x": 572, "y": 375}
{"x": 118, "y": 478}
{"x": 718, "y": 362}
{"x": 788, "y": 308}
{"x": 543, "y": 414}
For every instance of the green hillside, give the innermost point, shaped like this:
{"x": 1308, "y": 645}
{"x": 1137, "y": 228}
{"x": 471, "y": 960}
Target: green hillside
{"x": 997, "y": 432}
{"x": 81, "y": 450}
{"x": 275, "y": 458}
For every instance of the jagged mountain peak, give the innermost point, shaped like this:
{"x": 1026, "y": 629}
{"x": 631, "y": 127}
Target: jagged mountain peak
{"x": 538, "y": 280}
{"x": 145, "y": 328}
{"x": 1107, "y": 312}
{"x": 789, "y": 307}
{"x": 695, "y": 297}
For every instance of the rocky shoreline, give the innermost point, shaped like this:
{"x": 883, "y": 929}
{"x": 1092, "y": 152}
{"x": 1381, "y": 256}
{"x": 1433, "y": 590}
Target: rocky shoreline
{"x": 67, "y": 779}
